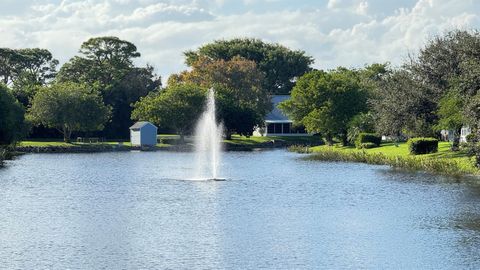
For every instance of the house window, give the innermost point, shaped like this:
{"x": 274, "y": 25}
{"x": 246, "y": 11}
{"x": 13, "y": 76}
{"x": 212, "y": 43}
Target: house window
{"x": 286, "y": 128}
{"x": 278, "y": 128}
{"x": 270, "y": 128}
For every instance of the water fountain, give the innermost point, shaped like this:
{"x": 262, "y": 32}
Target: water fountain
{"x": 208, "y": 142}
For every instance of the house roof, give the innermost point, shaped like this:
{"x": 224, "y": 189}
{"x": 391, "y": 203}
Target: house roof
{"x": 141, "y": 124}
{"x": 276, "y": 115}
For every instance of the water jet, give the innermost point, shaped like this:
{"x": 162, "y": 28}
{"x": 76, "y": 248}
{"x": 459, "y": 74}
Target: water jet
{"x": 208, "y": 142}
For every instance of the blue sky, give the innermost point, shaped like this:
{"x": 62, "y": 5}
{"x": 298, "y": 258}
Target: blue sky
{"x": 348, "y": 33}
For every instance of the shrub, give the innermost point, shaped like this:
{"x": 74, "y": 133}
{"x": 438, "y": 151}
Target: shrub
{"x": 367, "y": 138}
{"x": 418, "y": 146}
{"x": 470, "y": 137}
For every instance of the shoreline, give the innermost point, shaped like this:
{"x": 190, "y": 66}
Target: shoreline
{"x": 419, "y": 163}
{"x": 92, "y": 148}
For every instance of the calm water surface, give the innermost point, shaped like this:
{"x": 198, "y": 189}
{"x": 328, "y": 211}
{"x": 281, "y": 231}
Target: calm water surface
{"x": 276, "y": 211}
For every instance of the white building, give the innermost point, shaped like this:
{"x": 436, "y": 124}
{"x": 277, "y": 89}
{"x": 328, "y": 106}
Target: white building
{"x": 464, "y": 132}
{"x": 143, "y": 134}
{"x": 448, "y": 135}
{"x": 277, "y": 123}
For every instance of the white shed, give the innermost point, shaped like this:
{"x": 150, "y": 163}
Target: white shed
{"x": 143, "y": 134}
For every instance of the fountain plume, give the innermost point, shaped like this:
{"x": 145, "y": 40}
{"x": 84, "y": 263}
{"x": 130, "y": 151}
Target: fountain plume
{"x": 208, "y": 142}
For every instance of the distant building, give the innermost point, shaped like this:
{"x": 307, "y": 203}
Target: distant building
{"x": 277, "y": 123}
{"x": 464, "y": 132}
{"x": 143, "y": 134}
{"x": 448, "y": 135}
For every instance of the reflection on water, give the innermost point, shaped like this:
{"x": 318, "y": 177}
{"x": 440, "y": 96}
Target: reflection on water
{"x": 276, "y": 211}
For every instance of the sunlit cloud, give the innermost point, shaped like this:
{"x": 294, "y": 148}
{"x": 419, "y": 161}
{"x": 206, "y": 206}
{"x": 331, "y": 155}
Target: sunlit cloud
{"x": 336, "y": 32}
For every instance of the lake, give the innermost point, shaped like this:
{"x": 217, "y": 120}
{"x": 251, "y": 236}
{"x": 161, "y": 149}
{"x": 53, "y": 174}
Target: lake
{"x": 134, "y": 210}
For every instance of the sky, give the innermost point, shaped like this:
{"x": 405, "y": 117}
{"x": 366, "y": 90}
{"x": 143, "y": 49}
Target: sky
{"x": 349, "y": 33}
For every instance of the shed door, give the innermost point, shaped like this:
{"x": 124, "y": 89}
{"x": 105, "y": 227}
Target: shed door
{"x": 135, "y": 137}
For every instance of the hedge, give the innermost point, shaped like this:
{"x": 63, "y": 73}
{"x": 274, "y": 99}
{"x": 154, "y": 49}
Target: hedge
{"x": 363, "y": 138}
{"x": 418, "y": 146}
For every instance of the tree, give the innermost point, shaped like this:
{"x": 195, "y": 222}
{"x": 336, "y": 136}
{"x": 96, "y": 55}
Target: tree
{"x": 69, "y": 107}
{"x": 107, "y": 64}
{"x": 8, "y": 64}
{"x": 241, "y": 101}
{"x": 440, "y": 62}
{"x": 176, "y": 107}
{"x": 25, "y": 70}
{"x": 12, "y": 124}
{"x": 325, "y": 102}
{"x": 442, "y": 66}
{"x": 280, "y": 65}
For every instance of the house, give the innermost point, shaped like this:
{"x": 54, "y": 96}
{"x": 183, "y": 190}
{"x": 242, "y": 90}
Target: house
{"x": 143, "y": 134}
{"x": 277, "y": 123}
{"x": 448, "y": 135}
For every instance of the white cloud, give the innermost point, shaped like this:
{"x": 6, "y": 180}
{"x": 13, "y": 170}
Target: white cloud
{"x": 345, "y": 32}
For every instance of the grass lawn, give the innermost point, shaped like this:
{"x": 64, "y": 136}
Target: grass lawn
{"x": 169, "y": 139}
{"x": 61, "y": 143}
{"x": 465, "y": 162}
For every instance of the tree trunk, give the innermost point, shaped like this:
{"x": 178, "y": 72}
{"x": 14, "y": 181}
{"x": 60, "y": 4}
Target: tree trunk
{"x": 475, "y": 147}
{"x": 344, "y": 139}
{"x": 66, "y": 134}
{"x": 329, "y": 139}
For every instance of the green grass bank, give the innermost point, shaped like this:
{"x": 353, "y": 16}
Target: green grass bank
{"x": 444, "y": 161}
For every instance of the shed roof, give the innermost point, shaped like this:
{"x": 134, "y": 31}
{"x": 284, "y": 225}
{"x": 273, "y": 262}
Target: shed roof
{"x": 276, "y": 115}
{"x": 141, "y": 124}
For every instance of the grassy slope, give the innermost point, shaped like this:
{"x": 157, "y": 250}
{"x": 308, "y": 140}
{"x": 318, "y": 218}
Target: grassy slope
{"x": 390, "y": 150}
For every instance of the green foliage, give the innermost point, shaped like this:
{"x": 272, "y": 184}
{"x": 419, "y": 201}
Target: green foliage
{"x": 69, "y": 107}
{"x": 403, "y": 105}
{"x": 418, "y": 146}
{"x": 325, "y": 102}
{"x": 39, "y": 64}
{"x": 450, "y": 111}
{"x": 176, "y": 107}
{"x": 360, "y": 123}
{"x": 107, "y": 64}
{"x": 470, "y": 137}
{"x": 12, "y": 124}
{"x": 363, "y": 138}
{"x": 279, "y": 64}
{"x": 241, "y": 101}
{"x": 109, "y": 49}
{"x": 25, "y": 70}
